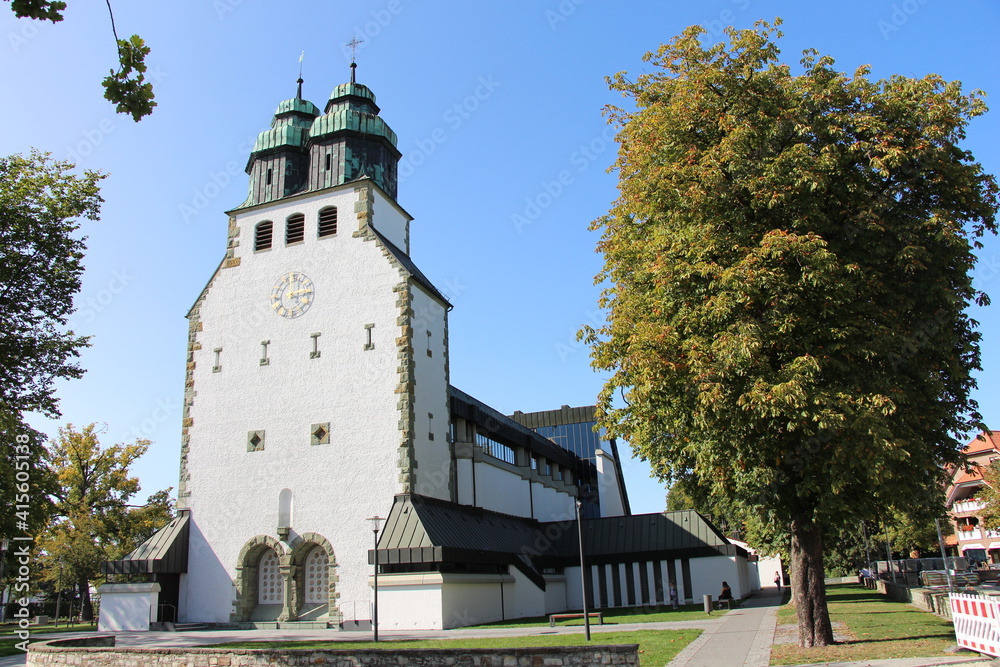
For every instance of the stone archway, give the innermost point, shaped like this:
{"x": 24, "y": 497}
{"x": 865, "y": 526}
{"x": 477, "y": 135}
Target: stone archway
{"x": 315, "y": 566}
{"x": 248, "y": 573}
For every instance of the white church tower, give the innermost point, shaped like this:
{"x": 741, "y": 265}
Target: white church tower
{"x": 317, "y": 375}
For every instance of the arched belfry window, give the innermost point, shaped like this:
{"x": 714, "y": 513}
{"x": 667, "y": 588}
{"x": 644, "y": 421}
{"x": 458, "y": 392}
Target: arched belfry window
{"x": 328, "y": 221}
{"x": 262, "y": 235}
{"x": 295, "y": 228}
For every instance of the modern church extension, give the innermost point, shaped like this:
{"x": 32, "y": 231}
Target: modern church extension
{"x": 317, "y": 394}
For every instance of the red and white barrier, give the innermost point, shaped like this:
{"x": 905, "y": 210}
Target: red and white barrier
{"x": 977, "y": 622}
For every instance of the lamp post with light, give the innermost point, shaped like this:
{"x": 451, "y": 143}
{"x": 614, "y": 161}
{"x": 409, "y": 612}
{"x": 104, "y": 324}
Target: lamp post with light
{"x": 376, "y": 520}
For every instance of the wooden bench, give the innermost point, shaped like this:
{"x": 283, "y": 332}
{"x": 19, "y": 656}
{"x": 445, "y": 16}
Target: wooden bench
{"x": 931, "y": 578}
{"x": 565, "y": 617}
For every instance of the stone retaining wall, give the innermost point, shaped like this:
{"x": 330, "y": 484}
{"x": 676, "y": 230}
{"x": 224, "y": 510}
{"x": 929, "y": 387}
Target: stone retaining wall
{"x": 100, "y": 652}
{"x": 934, "y": 601}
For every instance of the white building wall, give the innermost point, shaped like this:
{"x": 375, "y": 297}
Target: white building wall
{"x": 393, "y": 222}
{"x": 523, "y": 598}
{"x": 431, "y": 406}
{"x": 556, "y": 599}
{"x": 607, "y": 482}
{"x": 410, "y": 602}
{"x": 500, "y": 490}
{"x": 707, "y": 575}
{"x": 127, "y": 607}
{"x": 553, "y": 504}
{"x": 233, "y": 492}
{"x": 464, "y": 484}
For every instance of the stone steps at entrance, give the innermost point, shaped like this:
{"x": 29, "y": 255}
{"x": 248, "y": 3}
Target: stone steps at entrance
{"x": 289, "y": 625}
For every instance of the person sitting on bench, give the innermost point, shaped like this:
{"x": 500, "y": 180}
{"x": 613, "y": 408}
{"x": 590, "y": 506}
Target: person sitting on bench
{"x": 726, "y": 596}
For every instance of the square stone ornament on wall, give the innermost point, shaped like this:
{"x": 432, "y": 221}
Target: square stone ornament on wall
{"x": 255, "y": 441}
{"x": 319, "y": 434}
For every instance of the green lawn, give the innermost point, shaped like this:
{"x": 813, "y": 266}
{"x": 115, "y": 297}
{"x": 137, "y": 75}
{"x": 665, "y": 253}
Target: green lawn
{"x": 879, "y": 629}
{"x": 617, "y": 616}
{"x": 656, "y": 647}
{"x": 8, "y": 639}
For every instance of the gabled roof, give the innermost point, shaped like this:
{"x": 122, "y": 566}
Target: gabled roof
{"x": 411, "y": 268}
{"x": 165, "y": 552}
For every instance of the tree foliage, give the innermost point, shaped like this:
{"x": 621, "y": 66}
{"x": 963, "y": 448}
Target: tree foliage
{"x": 127, "y": 86}
{"x": 787, "y": 270}
{"x": 990, "y": 496}
{"x": 41, "y": 256}
{"x": 94, "y": 519}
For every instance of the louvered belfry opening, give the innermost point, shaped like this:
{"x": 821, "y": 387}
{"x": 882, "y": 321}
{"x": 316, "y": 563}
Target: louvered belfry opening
{"x": 262, "y": 235}
{"x": 295, "y": 229}
{"x": 328, "y": 221}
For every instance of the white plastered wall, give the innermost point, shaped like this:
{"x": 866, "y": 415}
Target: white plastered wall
{"x": 234, "y": 493}
{"x": 430, "y": 358}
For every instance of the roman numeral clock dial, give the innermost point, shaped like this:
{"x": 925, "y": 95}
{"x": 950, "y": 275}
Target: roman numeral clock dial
{"x": 292, "y": 294}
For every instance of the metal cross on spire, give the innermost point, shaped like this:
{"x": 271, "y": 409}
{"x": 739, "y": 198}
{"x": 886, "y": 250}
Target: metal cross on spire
{"x": 354, "y": 52}
{"x": 354, "y": 47}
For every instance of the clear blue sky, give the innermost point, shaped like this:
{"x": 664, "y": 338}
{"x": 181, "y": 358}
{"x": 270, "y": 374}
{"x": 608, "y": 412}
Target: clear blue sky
{"x": 492, "y": 102}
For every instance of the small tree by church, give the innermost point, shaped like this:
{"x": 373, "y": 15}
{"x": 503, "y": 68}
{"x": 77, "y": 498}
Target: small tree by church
{"x": 788, "y": 271}
{"x": 94, "y": 519}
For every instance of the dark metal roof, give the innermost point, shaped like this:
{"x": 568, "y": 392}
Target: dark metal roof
{"x": 561, "y": 417}
{"x": 165, "y": 552}
{"x": 508, "y": 430}
{"x": 678, "y": 534}
{"x": 427, "y": 530}
{"x": 411, "y": 268}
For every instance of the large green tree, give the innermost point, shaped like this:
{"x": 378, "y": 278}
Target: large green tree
{"x": 786, "y": 281}
{"x": 41, "y": 262}
{"x": 94, "y": 519}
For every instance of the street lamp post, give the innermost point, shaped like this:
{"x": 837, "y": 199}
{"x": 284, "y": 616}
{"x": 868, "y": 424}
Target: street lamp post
{"x": 4, "y": 545}
{"x": 583, "y": 577}
{"x": 376, "y": 520}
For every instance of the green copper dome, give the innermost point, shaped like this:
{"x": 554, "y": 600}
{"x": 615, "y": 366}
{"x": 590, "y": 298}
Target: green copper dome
{"x": 296, "y": 105}
{"x": 351, "y": 120}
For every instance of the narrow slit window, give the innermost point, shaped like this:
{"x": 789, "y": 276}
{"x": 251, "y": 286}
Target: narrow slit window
{"x": 328, "y": 161}
{"x": 369, "y": 345}
{"x": 262, "y": 235}
{"x": 264, "y": 360}
{"x": 328, "y": 221}
{"x": 429, "y": 353}
{"x": 268, "y": 177}
{"x": 315, "y": 354}
{"x": 217, "y": 367}
{"x": 295, "y": 229}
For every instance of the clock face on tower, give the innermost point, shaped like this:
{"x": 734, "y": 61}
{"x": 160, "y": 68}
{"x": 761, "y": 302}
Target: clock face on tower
{"x": 292, "y": 294}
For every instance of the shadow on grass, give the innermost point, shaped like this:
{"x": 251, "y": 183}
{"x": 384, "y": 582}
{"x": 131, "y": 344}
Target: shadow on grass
{"x": 850, "y": 642}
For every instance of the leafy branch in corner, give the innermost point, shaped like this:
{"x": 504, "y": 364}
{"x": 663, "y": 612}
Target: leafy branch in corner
{"x": 127, "y": 87}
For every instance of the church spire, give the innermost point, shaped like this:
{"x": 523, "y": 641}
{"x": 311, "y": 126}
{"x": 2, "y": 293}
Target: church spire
{"x": 298, "y": 93}
{"x": 354, "y": 56}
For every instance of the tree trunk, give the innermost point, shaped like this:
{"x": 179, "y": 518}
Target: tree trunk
{"x": 86, "y": 607}
{"x": 808, "y": 589}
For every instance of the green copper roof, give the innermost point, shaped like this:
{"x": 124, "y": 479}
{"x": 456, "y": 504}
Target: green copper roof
{"x": 349, "y": 119}
{"x": 282, "y": 135}
{"x": 357, "y": 89}
{"x": 297, "y": 105}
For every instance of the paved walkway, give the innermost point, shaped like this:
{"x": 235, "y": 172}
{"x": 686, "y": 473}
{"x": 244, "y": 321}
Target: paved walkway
{"x": 741, "y": 637}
